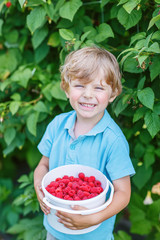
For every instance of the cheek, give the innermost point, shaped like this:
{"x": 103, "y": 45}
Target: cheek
{"x": 103, "y": 99}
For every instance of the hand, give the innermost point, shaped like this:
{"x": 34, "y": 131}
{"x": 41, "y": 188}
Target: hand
{"x": 40, "y": 196}
{"x": 76, "y": 221}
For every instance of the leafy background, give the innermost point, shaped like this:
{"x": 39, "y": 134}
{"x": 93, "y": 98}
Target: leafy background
{"x": 35, "y": 37}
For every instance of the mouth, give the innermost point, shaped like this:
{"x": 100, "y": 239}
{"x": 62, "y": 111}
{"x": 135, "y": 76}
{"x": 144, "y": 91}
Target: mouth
{"x": 88, "y": 105}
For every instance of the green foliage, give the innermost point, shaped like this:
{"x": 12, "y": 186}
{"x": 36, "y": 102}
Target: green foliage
{"x": 35, "y": 37}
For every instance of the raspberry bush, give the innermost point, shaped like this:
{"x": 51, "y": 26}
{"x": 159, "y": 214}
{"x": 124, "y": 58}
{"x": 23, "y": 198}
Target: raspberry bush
{"x": 35, "y": 37}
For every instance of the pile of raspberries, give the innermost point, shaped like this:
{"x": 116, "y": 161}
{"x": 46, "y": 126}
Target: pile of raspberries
{"x": 75, "y": 188}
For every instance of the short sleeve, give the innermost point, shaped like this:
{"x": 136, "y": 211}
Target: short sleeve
{"x": 45, "y": 144}
{"x": 119, "y": 163}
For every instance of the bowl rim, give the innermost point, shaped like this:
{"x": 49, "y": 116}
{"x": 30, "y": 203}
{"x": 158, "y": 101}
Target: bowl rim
{"x": 50, "y": 197}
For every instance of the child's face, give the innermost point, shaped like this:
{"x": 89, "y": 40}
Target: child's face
{"x": 89, "y": 100}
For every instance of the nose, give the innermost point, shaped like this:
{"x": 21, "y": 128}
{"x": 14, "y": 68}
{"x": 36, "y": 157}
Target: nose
{"x": 88, "y": 92}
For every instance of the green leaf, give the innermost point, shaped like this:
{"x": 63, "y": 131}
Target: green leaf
{"x": 92, "y": 31}
{"x": 156, "y": 108}
{"x": 146, "y": 97}
{"x": 131, "y": 65}
{"x": 54, "y": 39}
{"x": 23, "y": 178}
{"x": 9, "y": 135}
{"x": 141, "y": 83}
{"x": 142, "y": 58}
{"x": 152, "y": 121}
{"x": 137, "y": 36}
{"x": 38, "y": 36}
{"x": 140, "y": 181}
{"x": 139, "y": 150}
{"x": 36, "y": 19}
{"x": 121, "y": 235}
{"x": 104, "y": 2}
{"x": 1, "y": 24}
{"x": 104, "y": 32}
{"x": 129, "y": 20}
{"x": 41, "y": 52}
{"x": 119, "y": 107}
{"x": 14, "y": 106}
{"x": 69, "y": 9}
{"x": 142, "y": 227}
{"x": 156, "y": 35}
{"x": 153, "y": 21}
{"x": 22, "y": 76}
{"x": 154, "y": 48}
{"x": 84, "y": 36}
{"x": 154, "y": 67}
{"x": 16, "y": 96}
{"x": 9, "y": 61}
{"x": 32, "y": 123}
{"x": 140, "y": 112}
{"x": 40, "y": 107}
{"x": 57, "y": 92}
{"x": 149, "y": 159}
{"x": 130, "y": 5}
{"x": 21, "y": 2}
{"x": 66, "y": 34}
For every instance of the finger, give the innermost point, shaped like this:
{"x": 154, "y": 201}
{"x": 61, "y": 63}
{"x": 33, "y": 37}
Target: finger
{"x": 63, "y": 218}
{"x": 44, "y": 209}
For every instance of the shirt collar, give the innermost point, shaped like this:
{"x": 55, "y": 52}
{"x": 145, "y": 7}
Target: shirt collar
{"x": 99, "y": 127}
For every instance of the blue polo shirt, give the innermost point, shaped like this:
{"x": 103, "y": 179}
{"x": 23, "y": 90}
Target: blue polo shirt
{"x": 104, "y": 147}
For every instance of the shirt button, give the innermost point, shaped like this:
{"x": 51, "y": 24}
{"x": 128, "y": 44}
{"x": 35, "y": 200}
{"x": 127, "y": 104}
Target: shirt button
{"x": 72, "y": 147}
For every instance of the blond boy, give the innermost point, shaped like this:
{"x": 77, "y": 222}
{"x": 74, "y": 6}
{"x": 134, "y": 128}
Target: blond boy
{"x": 87, "y": 135}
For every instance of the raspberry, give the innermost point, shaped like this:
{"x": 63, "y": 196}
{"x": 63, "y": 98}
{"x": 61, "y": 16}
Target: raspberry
{"x": 91, "y": 179}
{"x": 91, "y": 184}
{"x": 71, "y": 193}
{"x": 58, "y": 179}
{"x": 62, "y": 185}
{"x": 65, "y": 177}
{"x": 81, "y": 175}
{"x": 76, "y": 198}
{"x": 59, "y": 189}
{"x": 70, "y": 184}
{"x": 59, "y": 194}
{"x": 75, "y": 186}
{"x": 71, "y": 178}
{"x": 65, "y": 181}
{"x": 8, "y": 4}
{"x": 97, "y": 183}
{"x": 93, "y": 190}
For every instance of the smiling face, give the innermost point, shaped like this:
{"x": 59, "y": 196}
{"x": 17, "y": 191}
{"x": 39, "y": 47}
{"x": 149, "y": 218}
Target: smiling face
{"x": 89, "y": 100}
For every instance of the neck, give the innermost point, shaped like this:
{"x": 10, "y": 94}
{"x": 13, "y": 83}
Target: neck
{"x": 83, "y": 126}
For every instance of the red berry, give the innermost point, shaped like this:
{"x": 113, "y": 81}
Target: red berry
{"x": 59, "y": 194}
{"x": 71, "y": 193}
{"x": 91, "y": 179}
{"x": 81, "y": 175}
{"x": 97, "y": 183}
{"x": 8, "y": 4}
{"x": 65, "y": 177}
{"x": 58, "y": 179}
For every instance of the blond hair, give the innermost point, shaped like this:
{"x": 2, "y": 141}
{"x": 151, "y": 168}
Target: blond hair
{"x": 88, "y": 63}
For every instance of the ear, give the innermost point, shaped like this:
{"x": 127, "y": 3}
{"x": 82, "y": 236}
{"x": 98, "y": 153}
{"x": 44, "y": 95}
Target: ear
{"x": 67, "y": 94}
{"x": 112, "y": 99}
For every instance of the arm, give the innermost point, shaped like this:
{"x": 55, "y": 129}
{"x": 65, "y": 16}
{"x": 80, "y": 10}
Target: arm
{"x": 39, "y": 173}
{"x": 120, "y": 201}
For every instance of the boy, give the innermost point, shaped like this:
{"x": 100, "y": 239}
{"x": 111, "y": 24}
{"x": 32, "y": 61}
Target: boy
{"x": 88, "y": 135}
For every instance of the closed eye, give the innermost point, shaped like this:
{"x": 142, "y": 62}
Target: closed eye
{"x": 99, "y": 88}
{"x": 79, "y": 86}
